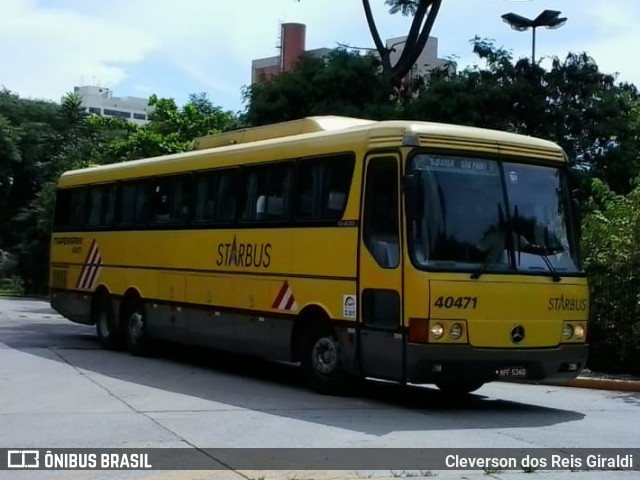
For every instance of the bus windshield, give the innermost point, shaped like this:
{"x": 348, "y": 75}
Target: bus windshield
{"x": 493, "y": 215}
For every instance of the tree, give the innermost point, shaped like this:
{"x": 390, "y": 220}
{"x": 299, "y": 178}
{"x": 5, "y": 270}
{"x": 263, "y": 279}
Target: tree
{"x": 34, "y": 154}
{"x": 343, "y": 83}
{"x": 611, "y": 243}
{"x": 171, "y": 129}
{"x": 424, "y": 13}
{"x": 593, "y": 117}
{"x": 28, "y": 134}
{"x": 198, "y": 117}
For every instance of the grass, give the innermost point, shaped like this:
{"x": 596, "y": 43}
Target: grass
{"x": 10, "y": 287}
{"x": 4, "y": 292}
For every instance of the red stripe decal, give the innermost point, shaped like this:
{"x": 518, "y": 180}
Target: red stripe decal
{"x": 290, "y": 303}
{"x": 281, "y": 294}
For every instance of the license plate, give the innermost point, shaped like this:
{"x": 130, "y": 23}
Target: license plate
{"x": 510, "y": 373}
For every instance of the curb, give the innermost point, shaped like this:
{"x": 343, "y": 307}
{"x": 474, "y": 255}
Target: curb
{"x": 605, "y": 384}
{"x": 600, "y": 384}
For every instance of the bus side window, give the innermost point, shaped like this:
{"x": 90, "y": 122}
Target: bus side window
{"x": 140, "y": 217}
{"x": 227, "y": 194}
{"x": 68, "y": 211}
{"x": 336, "y": 203}
{"x": 380, "y": 229}
{"x": 307, "y": 203}
{"x": 107, "y": 215}
{"x": 278, "y": 193}
{"x": 181, "y": 199}
{"x": 323, "y": 187}
{"x": 126, "y": 203}
{"x": 161, "y": 203}
{"x": 94, "y": 207}
{"x": 267, "y": 190}
{"x": 336, "y": 183}
{"x": 206, "y": 192}
{"x": 254, "y": 184}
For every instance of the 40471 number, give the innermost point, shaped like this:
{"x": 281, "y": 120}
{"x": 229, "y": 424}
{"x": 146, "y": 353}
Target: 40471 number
{"x": 456, "y": 302}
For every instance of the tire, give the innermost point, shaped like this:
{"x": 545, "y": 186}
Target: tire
{"x": 458, "y": 387}
{"x": 135, "y": 323}
{"x": 109, "y": 335}
{"x": 322, "y": 361}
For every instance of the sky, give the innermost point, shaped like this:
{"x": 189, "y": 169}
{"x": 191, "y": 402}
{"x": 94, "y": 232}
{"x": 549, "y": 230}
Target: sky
{"x": 172, "y": 48}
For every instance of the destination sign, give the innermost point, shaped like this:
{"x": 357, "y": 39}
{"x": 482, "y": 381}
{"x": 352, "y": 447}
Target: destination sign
{"x": 477, "y": 166}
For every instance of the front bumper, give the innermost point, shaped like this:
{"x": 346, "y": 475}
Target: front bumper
{"x": 430, "y": 363}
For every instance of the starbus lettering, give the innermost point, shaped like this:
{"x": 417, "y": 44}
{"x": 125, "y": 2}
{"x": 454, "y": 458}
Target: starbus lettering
{"x": 563, "y": 303}
{"x": 238, "y": 254}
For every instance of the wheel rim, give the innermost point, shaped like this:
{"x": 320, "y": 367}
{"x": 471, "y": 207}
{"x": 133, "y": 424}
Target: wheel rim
{"x": 136, "y": 326}
{"x": 103, "y": 324}
{"x": 325, "y": 355}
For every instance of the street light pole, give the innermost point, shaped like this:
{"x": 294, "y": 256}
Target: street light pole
{"x": 533, "y": 47}
{"x": 548, "y": 18}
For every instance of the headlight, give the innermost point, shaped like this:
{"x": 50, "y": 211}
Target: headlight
{"x": 578, "y": 332}
{"x": 456, "y": 331}
{"x": 437, "y": 331}
{"x": 567, "y": 331}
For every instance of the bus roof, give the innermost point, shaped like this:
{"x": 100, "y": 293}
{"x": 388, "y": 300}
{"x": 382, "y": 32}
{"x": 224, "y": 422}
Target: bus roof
{"x": 278, "y": 130}
{"x": 315, "y": 136}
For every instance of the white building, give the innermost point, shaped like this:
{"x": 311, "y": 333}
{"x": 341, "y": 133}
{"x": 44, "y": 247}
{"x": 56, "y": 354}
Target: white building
{"x": 292, "y": 45}
{"x": 427, "y": 61}
{"x": 100, "y": 101}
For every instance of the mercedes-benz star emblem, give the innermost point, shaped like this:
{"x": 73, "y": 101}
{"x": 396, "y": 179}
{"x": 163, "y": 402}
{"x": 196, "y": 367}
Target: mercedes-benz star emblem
{"x": 517, "y": 333}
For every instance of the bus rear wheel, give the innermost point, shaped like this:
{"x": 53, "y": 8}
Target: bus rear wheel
{"x": 322, "y": 361}
{"x": 109, "y": 335}
{"x": 138, "y": 341}
{"x": 459, "y": 387}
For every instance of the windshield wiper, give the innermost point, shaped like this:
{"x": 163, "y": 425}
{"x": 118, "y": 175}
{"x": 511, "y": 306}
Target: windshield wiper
{"x": 527, "y": 247}
{"x": 542, "y": 253}
{"x": 485, "y": 263}
{"x": 487, "y": 259}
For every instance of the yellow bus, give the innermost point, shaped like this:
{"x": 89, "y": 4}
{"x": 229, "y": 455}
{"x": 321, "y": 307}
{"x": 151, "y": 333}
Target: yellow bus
{"x": 407, "y": 251}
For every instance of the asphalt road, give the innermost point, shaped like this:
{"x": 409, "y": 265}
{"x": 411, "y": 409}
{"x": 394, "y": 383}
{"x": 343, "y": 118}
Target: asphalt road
{"x": 59, "y": 388}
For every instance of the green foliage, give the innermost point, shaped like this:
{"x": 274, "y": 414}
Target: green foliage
{"x": 197, "y": 118}
{"x": 594, "y": 118}
{"x": 28, "y": 135}
{"x": 611, "y": 229}
{"x": 611, "y": 243}
{"x": 171, "y": 129}
{"x": 40, "y": 140}
{"x": 406, "y": 7}
{"x": 343, "y": 83}
{"x": 10, "y": 283}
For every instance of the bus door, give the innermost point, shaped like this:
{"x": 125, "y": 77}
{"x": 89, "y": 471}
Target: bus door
{"x": 380, "y": 330}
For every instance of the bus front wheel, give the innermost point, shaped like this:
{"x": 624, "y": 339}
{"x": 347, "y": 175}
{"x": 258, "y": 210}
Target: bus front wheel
{"x": 138, "y": 341}
{"x": 459, "y": 387}
{"x": 322, "y": 360}
{"x": 109, "y": 335}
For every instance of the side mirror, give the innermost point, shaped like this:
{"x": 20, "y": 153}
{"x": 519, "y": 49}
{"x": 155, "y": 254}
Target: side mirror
{"x": 413, "y": 195}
